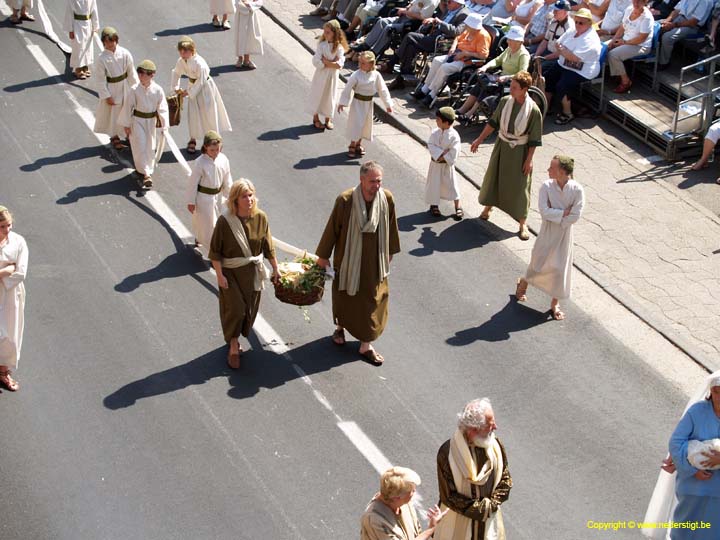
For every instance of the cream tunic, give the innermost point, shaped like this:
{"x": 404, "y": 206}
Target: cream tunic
{"x": 324, "y": 87}
{"x": 112, "y": 65}
{"x": 82, "y": 48}
{"x": 441, "y": 181}
{"x": 214, "y": 175}
{"x": 248, "y": 34}
{"x": 143, "y": 134}
{"x": 221, "y": 7}
{"x": 12, "y": 299}
{"x": 205, "y": 108}
{"x": 550, "y": 268}
{"x": 360, "y": 115}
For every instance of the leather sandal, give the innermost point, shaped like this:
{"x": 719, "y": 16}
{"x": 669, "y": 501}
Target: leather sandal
{"x": 360, "y": 150}
{"x": 435, "y": 211}
{"x": 352, "y": 154}
{"x": 192, "y": 146}
{"x": 8, "y": 382}
{"x": 521, "y": 290}
{"x": 234, "y": 359}
{"x": 318, "y": 124}
{"x": 338, "y": 337}
{"x": 372, "y": 356}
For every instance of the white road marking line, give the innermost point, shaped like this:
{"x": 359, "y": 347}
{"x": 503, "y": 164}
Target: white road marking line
{"x": 649, "y": 160}
{"x": 366, "y": 447}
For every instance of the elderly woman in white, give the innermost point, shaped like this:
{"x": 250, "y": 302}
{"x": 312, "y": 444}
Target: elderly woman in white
{"x": 13, "y": 267}
{"x": 560, "y": 202}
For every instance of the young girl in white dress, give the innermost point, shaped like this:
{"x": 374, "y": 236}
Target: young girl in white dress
{"x": 329, "y": 58}
{"x": 224, "y": 8}
{"x": 248, "y": 34}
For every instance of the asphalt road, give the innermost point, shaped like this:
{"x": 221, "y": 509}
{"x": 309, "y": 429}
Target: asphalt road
{"x": 129, "y": 424}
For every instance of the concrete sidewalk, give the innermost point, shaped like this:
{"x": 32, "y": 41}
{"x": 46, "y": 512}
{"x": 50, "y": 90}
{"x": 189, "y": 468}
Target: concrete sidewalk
{"x": 645, "y": 242}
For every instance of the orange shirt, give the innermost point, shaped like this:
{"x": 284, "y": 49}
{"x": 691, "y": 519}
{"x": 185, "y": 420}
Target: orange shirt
{"x": 479, "y": 43}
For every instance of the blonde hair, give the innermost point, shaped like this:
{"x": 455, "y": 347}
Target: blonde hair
{"x": 368, "y": 56}
{"x": 186, "y": 43}
{"x": 238, "y": 189}
{"x": 338, "y": 35}
{"x": 5, "y": 214}
{"x": 398, "y": 481}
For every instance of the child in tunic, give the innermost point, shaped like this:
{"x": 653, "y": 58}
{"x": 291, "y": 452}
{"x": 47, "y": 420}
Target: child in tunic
{"x": 224, "y": 8}
{"x": 19, "y": 11}
{"x": 328, "y": 59}
{"x": 208, "y": 187}
{"x": 364, "y": 84}
{"x": 143, "y": 107}
{"x": 248, "y": 34}
{"x": 444, "y": 147}
{"x": 205, "y": 108}
{"x": 81, "y": 21}
{"x": 115, "y": 75}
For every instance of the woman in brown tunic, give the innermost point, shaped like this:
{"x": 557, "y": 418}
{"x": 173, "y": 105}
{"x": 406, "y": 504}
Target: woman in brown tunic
{"x": 240, "y": 243}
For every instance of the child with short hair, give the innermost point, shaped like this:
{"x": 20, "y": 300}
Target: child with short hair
{"x": 364, "y": 84}
{"x": 205, "y": 108}
{"x": 248, "y": 34}
{"x": 224, "y": 8}
{"x": 81, "y": 21}
{"x": 115, "y": 75}
{"x": 444, "y": 148}
{"x": 329, "y": 58}
{"x": 143, "y": 109}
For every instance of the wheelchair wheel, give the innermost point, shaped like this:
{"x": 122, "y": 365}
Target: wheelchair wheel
{"x": 538, "y": 96}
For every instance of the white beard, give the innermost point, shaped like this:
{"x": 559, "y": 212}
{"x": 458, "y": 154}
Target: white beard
{"x": 484, "y": 442}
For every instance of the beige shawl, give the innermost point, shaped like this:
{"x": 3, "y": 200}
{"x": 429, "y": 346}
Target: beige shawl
{"x": 455, "y": 526}
{"x": 360, "y": 222}
{"x": 521, "y": 122}
{"x": 236, "y": 262}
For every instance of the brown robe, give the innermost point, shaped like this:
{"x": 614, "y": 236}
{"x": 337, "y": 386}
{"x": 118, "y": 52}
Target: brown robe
{"x": 365, "y": 314}
{"x": 469, "y": 506}
{"x": 239, "y": 303}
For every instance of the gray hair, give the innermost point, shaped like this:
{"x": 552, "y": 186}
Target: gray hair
{"x": 474, "y": 413}
{"x": 370, "y": 166}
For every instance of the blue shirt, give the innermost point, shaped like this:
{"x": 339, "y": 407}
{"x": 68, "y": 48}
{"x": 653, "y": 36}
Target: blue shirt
{"x": 697, "y": 9}
{"x": 699, "y": 423}
{"x": 450, "y": 14}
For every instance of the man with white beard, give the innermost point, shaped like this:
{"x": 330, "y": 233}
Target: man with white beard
{"x": 473, "y": 477}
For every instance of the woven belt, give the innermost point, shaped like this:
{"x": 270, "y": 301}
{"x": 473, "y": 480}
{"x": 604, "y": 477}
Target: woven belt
{"x": 141, "y": 114}
{"x": 208, "y": 191}
{"x": 81, "y": 17}
{"x": 193, "y": 80}
{"x": 438, "y": 161}
{"x": 360, "y": 97}
{"x": 117, "y": 79}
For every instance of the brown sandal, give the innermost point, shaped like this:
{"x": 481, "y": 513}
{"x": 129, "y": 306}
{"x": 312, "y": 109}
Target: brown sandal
{"x": 8, "y": 382}
{"x": 352, "y": 151}
{"x": 521, "y": 290}
{"x": 372, "y": 356}
{"x": 338, "y": 337}
{"x": 117, "y": 143}
{"x": 318, "y": 124}
{"x": 234, "y": 359}
{"x": 192, "y": 146}
{"x": 360, "y": 150}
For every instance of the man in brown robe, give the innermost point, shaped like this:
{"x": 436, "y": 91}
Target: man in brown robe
{"x": 473, "y": 477}
{"x": 363, "y": 234}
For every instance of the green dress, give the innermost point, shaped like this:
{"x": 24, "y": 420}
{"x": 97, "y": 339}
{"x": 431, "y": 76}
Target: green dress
{"x": 505, "y": 185}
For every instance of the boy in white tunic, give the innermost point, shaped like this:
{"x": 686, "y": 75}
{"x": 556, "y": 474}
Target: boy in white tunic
{"x": 248, "y": 34}
{"x": 144, "y": 107}
{"x": 205, "y": 108}
{"x": 114, "y": 73}
{"x": 13, "y": 268}
{"x": 560, "y": 202}
{"x": 224, "y": 8}
{"x": 208, "y": 188}
{"x": 20, "y": 11}
{"x": 363, "y": 85}
{"x": 444, "y": 147}
{"x": 329, "y": 58}
{"x": 81, "y": 21}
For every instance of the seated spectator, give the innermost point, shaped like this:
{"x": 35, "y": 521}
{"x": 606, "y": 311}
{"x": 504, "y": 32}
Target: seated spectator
{"x": 378, "y": 39}
{"x": 512, "y": 60}
{"x": 535, "y": 31}
{"x": 579, "y": 60}
{"x": 364, "y": 11}
{"x": 613, "y": 18}
{"x": 688, "y": 17}
{"x": 662, "y": 8}
{"x": 711, "y": 139}
{"x": 481, "y": 7}
{"x": 524, "y": 12}
{"x": 503, "y": 9}
{"x": 598, "y": 8}
{"x": 450, "y": 26}
{"x": 712, "y": 34}
{"x": 472, "y": 44}
{"x": 633, "y": 38}
{"x": 559, "y": 24}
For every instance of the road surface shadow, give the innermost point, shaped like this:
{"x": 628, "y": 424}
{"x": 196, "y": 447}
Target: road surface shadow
{"x": 217, "y": 71}
{"x": 78, "y": 154}
{"x": 292, "y": 133}
{"x": 184, "y": 262}
{"x": 514, "y": 317}
{"x": 340, "y": 158}
{"x": 260, "y": 368}
{"x": 123, "y": 186}
{"x": 66, "y": 77}
{"x": 188, "y": 30}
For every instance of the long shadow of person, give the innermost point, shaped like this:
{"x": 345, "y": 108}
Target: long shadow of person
{"x": 74, "y": 155}
{"x": 289, "y": 133}
{"x": 184, "y": 262}
{"x": 217, "y": 71}
{"x": 340, "y": 159}
{"x": 514, "y": 317}
{"x": 411, "y": 221}
{"x": 188, "y": 30}
{"x": 122, "y": 186}
{"x": 462, "y": 236}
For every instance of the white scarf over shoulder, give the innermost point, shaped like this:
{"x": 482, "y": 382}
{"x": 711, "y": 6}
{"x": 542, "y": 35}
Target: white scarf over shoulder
{"x": 261, "y": 273}
{"x": 520, "y": 125}
{"x": 465, "y": 473}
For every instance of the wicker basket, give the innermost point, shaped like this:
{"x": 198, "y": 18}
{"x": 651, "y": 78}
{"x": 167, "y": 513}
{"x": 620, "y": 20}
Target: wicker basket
{"x": 296, "y": 294}
{"x": 298, "y": 298}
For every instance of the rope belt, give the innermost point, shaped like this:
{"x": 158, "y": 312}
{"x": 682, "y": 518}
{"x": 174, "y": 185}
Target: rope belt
{"x": 193, "y": 80}
{"x": 117, "y": 79}
{"x": 141, "y": 114}
{"x": 360, "y": 97}
{"x": 208, "y": 191}
{"x": 438, "y": 161}
{"x": 81, "y": 17}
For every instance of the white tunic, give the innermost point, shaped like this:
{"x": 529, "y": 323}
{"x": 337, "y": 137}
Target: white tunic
{"x": 82, "y": 47}
{"x": 143, "y": 131}
{"x": 221, "y": 7}
{"x": 248, "y": 34}
{"x": 441, "y": 182}
{"x": 550, "y": 268}
{"x": 324, "y": 87}
{"x": 12, "y": 299}
{"x": 112, "y": 65}
{"x": 360, "y": 115}
{"x": 214, "y": 175}
{"x": 205, "y": 108}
